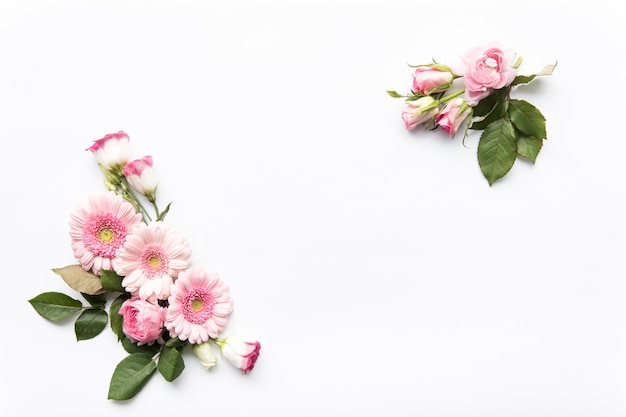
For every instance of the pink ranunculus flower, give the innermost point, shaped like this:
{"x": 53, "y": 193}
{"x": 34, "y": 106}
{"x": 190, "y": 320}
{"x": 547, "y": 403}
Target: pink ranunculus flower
{"x": 141, "y": 177}
{"x": 453, "y": 114}
{"x": 419, "y": 111}
{"x": 487, "y": 67}
{"x": 151, "y": 258}
{"x": 428, "y": 79}
{"x": 112, "y": 151}
{"x": 199, "y": 306}
{"x": 143, "y": 321}
{"x": 99, "y": 228}
{"x": 239, "y": 353}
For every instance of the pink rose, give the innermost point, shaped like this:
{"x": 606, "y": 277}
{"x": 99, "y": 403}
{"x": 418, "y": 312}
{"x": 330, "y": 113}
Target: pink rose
{"x": 487, "y": 67}
{"x": 419, "y": 111}
{"x": 143, "y": 321}
{"x": 432, "y": 79}
{"x": 452, "y": 115}
{"x": 140, "y": 176}
{"x": 239, "y": 353}
{"x": 112, "y": 150}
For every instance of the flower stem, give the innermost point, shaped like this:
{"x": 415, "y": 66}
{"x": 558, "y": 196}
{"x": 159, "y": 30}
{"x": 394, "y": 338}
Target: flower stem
{"x": 128, "y": 194}
{"x": 156, "y": 208}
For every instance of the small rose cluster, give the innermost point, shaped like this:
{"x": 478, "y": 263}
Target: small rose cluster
{"x": 435, "y": 97}
{"x": 477, "y": 93}
{"x": 165, "y": 302}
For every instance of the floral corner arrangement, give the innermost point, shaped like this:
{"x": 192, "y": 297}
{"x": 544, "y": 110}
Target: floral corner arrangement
{"x": 511, "y": 128}
{"x": 160, "y": 303}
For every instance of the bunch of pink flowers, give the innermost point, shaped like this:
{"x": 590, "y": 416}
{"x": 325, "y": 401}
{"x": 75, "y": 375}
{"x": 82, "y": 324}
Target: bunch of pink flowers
{"x": 166, "y": 303}
{"x": 435, "y": 98}
{"x": 477, "y": 93}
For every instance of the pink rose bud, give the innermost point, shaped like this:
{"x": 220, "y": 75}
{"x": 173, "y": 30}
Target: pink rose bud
{"x": 143, "y": 321}
{"x": 430, "y": 79}
{"x": 487, "y": 67}
{"x": 239, "y": 353}
{"x": 112, "y": 150}
{"x": 141, "y": 177}
{"x": 419, "y": 111}
{"x": 452, "y": 115}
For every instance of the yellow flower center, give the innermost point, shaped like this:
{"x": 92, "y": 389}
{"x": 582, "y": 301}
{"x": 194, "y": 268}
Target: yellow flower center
{"x": 197, "y": 304}
{"x": 154, "y": 262}
{"x": 106, "y": 235}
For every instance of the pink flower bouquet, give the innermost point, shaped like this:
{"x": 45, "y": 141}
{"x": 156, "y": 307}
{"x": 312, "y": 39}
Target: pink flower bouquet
{"x": 128, "y": 255}
{"x": 482, "y": 101}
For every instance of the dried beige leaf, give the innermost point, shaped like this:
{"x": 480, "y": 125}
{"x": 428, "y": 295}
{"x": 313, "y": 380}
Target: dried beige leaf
{"x": 80, "y": 280}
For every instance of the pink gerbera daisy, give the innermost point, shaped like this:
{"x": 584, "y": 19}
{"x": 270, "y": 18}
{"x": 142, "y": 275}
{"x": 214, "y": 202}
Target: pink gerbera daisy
{"x": 199, "y": 306}
{"x": 151, "y": 258}
{"x": 99, "y": 228}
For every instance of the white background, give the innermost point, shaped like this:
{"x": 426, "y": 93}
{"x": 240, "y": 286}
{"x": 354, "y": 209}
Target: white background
{"x": 380, "y": 272}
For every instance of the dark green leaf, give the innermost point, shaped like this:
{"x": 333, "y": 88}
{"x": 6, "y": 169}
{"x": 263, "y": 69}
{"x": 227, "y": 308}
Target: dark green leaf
{"x": 90, "y": 323}
{"x": 489, "y": 103}
{"x": 175, "y": 342}
{"x": 482, "y": 122}
{"x": 171, "y": 363}
{"x": 130, "y": 376}
{"x": 529, "y": 147}
{"x": 527, "y": 118}
{"x": 117, "y": 321}
{"x": 95, "y": 300}
{"x": 131, "y": 347}
{"x": 111, "y": 281}
{"x": 80, "y": 280}
{"x": 497, "y": 150}
{"x": 55, "y": 306}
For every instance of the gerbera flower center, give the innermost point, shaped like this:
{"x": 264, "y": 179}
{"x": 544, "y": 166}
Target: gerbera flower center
{"x": 106, "y": 235}
{"x": 154, "y": 261}
{"x": 103, "y": 234}
{"x": 198, "y": 306}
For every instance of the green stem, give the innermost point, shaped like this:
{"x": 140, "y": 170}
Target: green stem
{"x": 128, "y": 193}
{"x": 451, "y": 96}
{"x": 444, "y": 99}
{"x": 156, "y": 208}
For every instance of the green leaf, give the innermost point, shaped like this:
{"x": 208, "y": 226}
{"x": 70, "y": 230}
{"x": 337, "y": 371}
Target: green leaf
{"x": 80, "y": 280}
{"x": 90, "y": 323}
{"x": 175, "y": 342}
{"x": 55, "y": 306}
{"x": 487, "y": 104}
{"x": 117, "y": 321}
{"x": 164, "y": 212}
{"x": 394, "y": 94}
{"x": 525, "y": 79}
{"x": 497, "y": 150}
{"x": 130, "y": 376}
{"x": 527, "y": 118}
{"x": 111, "y": 281}
{"x": 131, "y": 347}
{"x": 171, "y": 363}
{"x": 95, "y": 300}
{"x": 529, "y": 147}
{"x": 497, "y": 112}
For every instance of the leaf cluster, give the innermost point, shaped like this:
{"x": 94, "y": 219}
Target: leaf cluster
{"x": 134, "y": 371}
{"x": 511, "y": 128}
